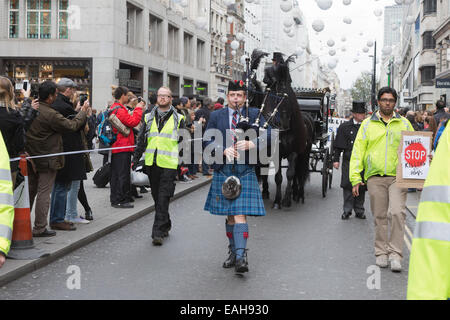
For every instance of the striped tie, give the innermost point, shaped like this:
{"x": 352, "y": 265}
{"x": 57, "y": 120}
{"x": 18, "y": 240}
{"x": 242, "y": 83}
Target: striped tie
{"x": 234, "y": 125}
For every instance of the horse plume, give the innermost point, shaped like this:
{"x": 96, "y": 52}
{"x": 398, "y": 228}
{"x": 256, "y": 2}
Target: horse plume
{"x": 257, "y": 56}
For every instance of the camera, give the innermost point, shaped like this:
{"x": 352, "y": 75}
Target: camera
{"x": 34, "y": 90}
{"x": 139, "y": 99}
{"x": 83, "y": 98}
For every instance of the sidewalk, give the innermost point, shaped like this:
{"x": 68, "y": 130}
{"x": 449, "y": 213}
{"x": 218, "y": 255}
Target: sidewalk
{"x": 106, "y": 220}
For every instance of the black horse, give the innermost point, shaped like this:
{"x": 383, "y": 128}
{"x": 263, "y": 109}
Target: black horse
{"x": 295, "y": 132}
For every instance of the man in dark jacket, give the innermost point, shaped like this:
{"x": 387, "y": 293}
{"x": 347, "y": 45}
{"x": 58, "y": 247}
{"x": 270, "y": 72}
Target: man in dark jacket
{"x": 68, "y": 178}
{"x": 440, "y": 114}
{"x": 202, "y": 115}
{"x": 345, "y": 138}
{"x": 45, "y": 137}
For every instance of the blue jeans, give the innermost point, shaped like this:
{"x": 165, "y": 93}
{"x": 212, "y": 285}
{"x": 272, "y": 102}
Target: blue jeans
{"x": 58, "y": 202}
{"x": 72, "y": 201}
{"x": 205, "y": 167}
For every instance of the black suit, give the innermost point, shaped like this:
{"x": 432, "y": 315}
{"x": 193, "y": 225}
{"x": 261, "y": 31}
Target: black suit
{"x": 345, "y": 138}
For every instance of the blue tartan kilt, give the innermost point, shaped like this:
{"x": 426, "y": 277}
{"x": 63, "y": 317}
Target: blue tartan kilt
{"x": 250, "y": 201}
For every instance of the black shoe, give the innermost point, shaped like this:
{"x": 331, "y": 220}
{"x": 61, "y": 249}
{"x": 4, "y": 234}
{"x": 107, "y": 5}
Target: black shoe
{"x": 131, "y": 199}
{"x": 165, "y": 234}
{"x": 231, "y": 261}
{"x": 138, "y": 197}
{"x": 241, "y": 265}
{"x": 361, "y": 216}
{"x": 143, "y": 190}
{"x": 88, "y": 215}
{"x": 44, "y": 234}
{"x": 122, "y": 206}
{"x": 346, "y": 215}
{"x": 157, "y": 241}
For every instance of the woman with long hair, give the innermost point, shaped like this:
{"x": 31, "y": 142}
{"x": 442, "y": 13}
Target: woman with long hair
{"x": 430, "y": 125}
{"x": 11, "y": 124}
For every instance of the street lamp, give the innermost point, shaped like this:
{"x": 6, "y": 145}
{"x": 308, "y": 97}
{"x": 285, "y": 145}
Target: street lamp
{"x": 374, "y": 78}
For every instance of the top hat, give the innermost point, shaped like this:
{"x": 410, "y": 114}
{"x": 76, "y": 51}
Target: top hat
{"x": 359, "y": 107}
{"x": 278, "y": 57}
{"x": 236, "y": 85}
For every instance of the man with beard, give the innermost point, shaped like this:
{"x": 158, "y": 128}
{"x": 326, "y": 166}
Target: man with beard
{"x": 159, "y": 140}
{"x": 375, "y": 153}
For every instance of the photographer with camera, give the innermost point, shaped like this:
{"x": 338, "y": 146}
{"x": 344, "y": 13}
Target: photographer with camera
{"x": 43, "y": 138}
{"x": 63, "y": 210}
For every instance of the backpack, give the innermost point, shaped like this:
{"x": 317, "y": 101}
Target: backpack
{"x": 105, "y": 131}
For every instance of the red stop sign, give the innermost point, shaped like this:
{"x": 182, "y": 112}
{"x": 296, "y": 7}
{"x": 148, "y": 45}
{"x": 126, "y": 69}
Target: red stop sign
{"x": 416, "y": 155}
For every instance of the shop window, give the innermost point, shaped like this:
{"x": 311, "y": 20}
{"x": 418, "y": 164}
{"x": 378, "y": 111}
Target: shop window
{"x": 39, "y": 19}
{"x": 63, "y": 18}
{"x": 429, "y": 6}
{"x": 156, "y": 35}
{"x": 14, "y": 19}
{"x": 427, "y": 75}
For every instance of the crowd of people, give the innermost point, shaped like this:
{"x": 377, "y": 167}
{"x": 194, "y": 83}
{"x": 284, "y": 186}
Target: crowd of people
{"x": 53, "y": 118}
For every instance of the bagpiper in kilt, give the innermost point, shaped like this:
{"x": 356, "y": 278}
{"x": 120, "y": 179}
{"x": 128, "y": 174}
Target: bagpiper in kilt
{"x": 249, "y": 202}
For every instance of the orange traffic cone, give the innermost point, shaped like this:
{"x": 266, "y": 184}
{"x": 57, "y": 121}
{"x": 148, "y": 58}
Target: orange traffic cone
{"x": 22, "y": 245}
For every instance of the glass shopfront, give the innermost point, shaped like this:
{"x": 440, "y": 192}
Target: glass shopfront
{"x": 40, "y": 70}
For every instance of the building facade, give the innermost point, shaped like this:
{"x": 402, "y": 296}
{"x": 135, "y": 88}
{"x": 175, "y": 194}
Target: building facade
{"x": 140, "y": 44}
{"x": 393, "y": 16}
{"x": 418, "y": 67}
{"x": 442, "y": 38}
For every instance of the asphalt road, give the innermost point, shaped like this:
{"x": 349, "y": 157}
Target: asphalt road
{"x": 306, "y": 252}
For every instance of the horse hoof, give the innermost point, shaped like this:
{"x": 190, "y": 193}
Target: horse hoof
{"x": 265, "y": 195}
{"x": 276, "y": 206}
{"x": 287, "y": 203}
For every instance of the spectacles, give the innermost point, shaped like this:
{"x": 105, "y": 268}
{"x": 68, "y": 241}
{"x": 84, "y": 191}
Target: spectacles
{"x": 388, "y": 100}
{"x": 164, "y": 96}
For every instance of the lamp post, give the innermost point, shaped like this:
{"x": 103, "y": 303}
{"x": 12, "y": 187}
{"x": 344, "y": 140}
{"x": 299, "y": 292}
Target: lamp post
{"x": 374, "y": 78}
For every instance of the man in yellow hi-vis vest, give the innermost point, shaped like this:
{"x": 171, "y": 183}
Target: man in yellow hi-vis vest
{"x": 6, "y": 202}
{"x": 429, "y": 267}
{"x": 159, "y": 140}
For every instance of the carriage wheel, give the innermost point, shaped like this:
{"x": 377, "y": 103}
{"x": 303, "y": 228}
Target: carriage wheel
{"x": 325, "y": 173}
{"x": 330, "y": 168}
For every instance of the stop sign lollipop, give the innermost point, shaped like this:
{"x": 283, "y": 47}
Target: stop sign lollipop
{"x": 416, "y": 155}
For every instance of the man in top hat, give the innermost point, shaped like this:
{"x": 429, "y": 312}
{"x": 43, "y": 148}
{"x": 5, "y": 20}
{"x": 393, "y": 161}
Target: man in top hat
{"x": 229, "y": 152}
{"x": 346, "y": 136}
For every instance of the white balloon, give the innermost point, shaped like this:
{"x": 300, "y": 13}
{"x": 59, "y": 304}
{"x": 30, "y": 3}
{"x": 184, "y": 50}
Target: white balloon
{"x": 234, "y": 44}
{"x": 318, "y": 25}
{"x": 332, "y": 63}
{"x": 399, "y": 2}
{"x": 347, "y": 20}
{"x": 233, "y": 53}
{"x": 291, "y": 34}
{"x": 387, "y": 50}
{"x": 240, "y": 36}
{"x": 378, "y": 12}
{"x": 224, "y": 54}
{"x": 410, "y": 19}
{"x": 201, "y": 22}
{"x": 324, "y": 4}
{"x": 286, "y": 30}
{"x": 224, "y": 39}
{"x": 370, "y": 43}
{"x": 330, "y": 43}
{"x": 343, "y": 49}
{"x": 184, "y": 3}
{"x": 228, "y": 2}
{"x": 243, "y": 59}
{"x": 286, "y": 6}
{"x": 332, "y": 52}
{"x": 230, "y": 20}
{"x": 347, "y": 2}
{"x": 288, "y": 23}
{"x": 365, "y": 49}
{"x": 343, "y": 39}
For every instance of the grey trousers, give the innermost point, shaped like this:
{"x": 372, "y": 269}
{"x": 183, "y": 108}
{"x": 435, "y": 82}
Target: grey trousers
{"x": 352, "y": 203}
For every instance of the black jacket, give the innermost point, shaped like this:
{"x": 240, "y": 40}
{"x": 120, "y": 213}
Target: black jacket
{"x": 74, "y": 168}
{"x": 345, "y": 138}
{"x": 12, "y": 128}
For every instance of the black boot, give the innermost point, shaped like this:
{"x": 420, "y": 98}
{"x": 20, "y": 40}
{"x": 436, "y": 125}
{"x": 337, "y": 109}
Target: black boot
{"x": 88, "y": 215}
{"x": 231, "y": 261}
{"x": 346, "y": 215}
{"x": 241, "y": 264}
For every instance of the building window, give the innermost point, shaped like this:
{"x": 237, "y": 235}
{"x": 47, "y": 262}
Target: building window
{"x": 429, "y": 6}
{"x": 63, "y": 29}
{"x": 156, "y": 35}
{"x": 188, "y": 56}
{"x": 14, "y": 18}
{"x": 134, "y": 21}
{"x": 39, "y": 19}
{"x": 201, "y": 54}
{"x": 427, "y": 75}
{"x": 428, "y": 41}
{"x": 172, "y": 44}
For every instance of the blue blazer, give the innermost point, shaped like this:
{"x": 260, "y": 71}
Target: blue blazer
{"x": 220, "y": 120}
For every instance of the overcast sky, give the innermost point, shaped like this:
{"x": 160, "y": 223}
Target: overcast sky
{"x": 363, "y": 20}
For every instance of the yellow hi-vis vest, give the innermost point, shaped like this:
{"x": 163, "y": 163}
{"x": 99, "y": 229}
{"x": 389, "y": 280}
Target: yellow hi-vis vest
{"x": 429, "y": 267}
{"x": 6, "y": 199}
{"x": 164, "y": 143}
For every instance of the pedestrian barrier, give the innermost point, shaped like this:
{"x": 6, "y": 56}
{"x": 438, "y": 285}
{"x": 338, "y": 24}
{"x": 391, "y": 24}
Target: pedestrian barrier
{"x": 22, "y": 245}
